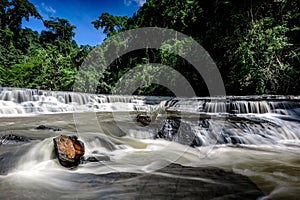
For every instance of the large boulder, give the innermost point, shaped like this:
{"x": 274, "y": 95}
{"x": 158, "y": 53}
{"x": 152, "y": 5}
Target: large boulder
{"x": 68, "y": 150}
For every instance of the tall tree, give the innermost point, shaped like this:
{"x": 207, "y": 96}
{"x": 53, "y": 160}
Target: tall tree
{"x": 61, "y": 28}
{"x": 61, "y": 33}
{"x": 111, "y": 24}
{"x": 11, "y": 15}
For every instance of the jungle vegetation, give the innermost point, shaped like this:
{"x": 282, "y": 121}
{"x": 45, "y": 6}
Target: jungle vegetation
{"x": 255, "y": 44}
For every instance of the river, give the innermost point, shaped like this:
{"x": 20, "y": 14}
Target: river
{"x": 253, "y": 136}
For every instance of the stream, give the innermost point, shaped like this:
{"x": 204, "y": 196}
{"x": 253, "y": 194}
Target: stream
{"x": 196, "y": 148}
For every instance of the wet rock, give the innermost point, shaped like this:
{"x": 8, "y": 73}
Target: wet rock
{"x": 12, "y": 139}
{"x": 197, "y": 142}
{"x": 143, "y": 119}
{"x": 177, "y": 130}
{"x": 56, "y": 129}
{"x": 171, "y": 182}
{"x": 92, "y": 159}
{"x": 169, "y": 129}
{"x": 201, "y": 132}
{"x": 43, "y": 127}
{"x": 96, "y": 159}
{"x": 69, "y": 150}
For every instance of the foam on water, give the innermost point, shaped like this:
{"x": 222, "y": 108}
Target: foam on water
{"x": 254, "y": 136}
{"x": 14, "y": 101}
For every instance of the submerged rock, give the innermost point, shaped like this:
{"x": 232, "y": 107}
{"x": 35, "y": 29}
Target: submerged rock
{"x": 68, "y": 150}
{"x": 102, "y": 158}
{"x": 171, "y": 182}
{"x": 43, "y": 127}
{"x": 12, "y": 139}
{"x": 10, "y": 157}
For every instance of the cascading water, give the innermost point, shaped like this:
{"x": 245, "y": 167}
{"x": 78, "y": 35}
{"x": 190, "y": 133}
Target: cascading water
{"x": 237, "y": 105}
{"x": 33, "y": 101}
{"x": 256, "y": 136}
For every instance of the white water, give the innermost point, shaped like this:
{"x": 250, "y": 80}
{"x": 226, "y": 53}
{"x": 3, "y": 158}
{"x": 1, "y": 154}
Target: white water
{"x": 253, "y": 137}
{"x": 14, "y": 102}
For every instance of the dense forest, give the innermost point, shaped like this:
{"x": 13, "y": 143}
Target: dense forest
{"x": 255, "y": 44}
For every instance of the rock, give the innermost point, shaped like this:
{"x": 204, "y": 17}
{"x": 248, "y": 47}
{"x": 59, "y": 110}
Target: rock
{"x": 43, "y": 127}
{"x": 169, "y": 129}
{"x": 171, "y": 182}
{"x": 69, "y": 150}
{"x": 92, "y": 159}
{"x": 143, "y": 119}
{"x": 174, "y": 129}
{"x": 95, "y": 159}
{"x": 12, "y": 139}
{"x": 56, "y": 129}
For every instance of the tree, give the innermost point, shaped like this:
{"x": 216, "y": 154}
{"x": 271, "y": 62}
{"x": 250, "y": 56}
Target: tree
{"x": 262, "y": 52}
{"x": 254, "y": 43}
{"x": 11, "y": 15}
{"x": 110, "y": 24}
{"x": 61, "y": 33}
{"x": 14, "y": 11}
{"x": 48, "y": 60}
{"x": 60, "y": 28}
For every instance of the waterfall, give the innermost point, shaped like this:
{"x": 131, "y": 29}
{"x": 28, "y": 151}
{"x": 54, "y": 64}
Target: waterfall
{"x": 229, "y": 130}
{"x": 233, "y": 105}
{"x": 15, "y": 101}
{"x": 257, "y": 136}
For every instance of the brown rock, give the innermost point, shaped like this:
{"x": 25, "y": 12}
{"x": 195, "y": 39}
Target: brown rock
{"x": 68, "y": 150}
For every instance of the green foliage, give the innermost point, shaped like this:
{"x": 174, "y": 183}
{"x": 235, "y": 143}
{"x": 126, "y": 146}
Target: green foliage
{"x": 263, "y": 54}
{"x": 60, "y": 28}
{"x": 49, "y": 60}
{"x": 44, "y": 69}
{"x": 255, "y": 44}
{"x": 12, "y": 12}
{"x": 110, "y": 24}
{"x": 262, "y": 58}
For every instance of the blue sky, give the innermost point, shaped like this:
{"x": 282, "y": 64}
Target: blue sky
{"x": 81, "y": 13}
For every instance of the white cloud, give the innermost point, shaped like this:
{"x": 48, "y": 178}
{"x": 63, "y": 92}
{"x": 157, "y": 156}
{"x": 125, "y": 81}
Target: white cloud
{"x": 140, "y": 2}
{"x": 134, "y": 2}
{"x": 127, "y": 2}
{"x": 48, "y": 9}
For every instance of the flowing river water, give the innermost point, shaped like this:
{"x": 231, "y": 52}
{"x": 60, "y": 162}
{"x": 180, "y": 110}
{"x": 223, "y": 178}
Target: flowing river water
{"x": 253, "y": 136}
